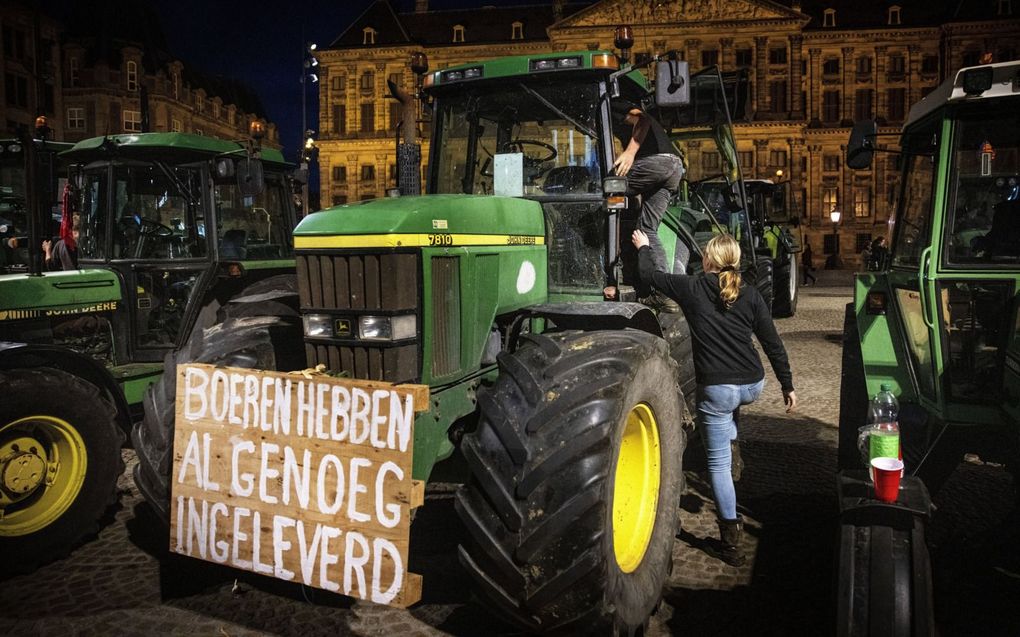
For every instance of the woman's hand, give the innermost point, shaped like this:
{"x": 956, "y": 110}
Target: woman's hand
{"x": 790, "y": 398}
{"x": 639, "y": 238}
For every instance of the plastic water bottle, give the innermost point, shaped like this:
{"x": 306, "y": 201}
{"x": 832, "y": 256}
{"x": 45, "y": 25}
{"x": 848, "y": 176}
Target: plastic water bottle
{"x": 884, "y": 437}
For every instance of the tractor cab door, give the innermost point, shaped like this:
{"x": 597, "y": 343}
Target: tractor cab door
{"x": 979, "y": 265}
{"x": 159, "y": 246}
{"x": 909, "y": 278}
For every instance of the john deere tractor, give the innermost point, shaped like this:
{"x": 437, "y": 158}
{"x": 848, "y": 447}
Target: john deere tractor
{"x": 940, "y": 323}
{"x": 171, "y": 227}
{"x": 510, "y": 291}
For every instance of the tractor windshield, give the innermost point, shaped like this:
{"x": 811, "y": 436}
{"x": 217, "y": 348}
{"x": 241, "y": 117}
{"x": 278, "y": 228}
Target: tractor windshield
{"x": 252, "y": 227}
{"x": 984, "y": 178}
{"x": 534, "y": 137}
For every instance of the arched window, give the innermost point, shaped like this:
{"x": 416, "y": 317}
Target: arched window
{"x": 894, "y": 15}
{"x": 132, "y": 75}
{"x": 368, "y": 35}
{"x": 829, "y": 18}
{"x": 458, "y": 33}
{"x": 517, "y": 31}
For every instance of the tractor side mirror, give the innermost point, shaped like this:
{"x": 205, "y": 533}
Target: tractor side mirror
{"x": 861, "y": 147}
{"x": 672, "y": 83}
{"x": 250, "y": 180}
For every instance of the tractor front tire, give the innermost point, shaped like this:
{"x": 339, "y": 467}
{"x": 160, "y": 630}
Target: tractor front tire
{"x": 576, "y": 477}
{"x": 60, "y": 458}
{"x": 785, "y": 288}
{"x": 263, "y": 334}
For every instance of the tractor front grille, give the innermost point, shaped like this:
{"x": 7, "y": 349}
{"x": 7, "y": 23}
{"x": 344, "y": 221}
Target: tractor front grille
{"x": 350, "y": 285}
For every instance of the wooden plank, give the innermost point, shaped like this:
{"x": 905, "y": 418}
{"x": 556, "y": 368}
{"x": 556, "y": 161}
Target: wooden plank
{"x": 300, "y": 476}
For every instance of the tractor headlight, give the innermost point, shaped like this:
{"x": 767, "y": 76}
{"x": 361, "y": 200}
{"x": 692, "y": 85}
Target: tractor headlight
{"x": 387, "y": 328}
{"x": 318, "y": 325}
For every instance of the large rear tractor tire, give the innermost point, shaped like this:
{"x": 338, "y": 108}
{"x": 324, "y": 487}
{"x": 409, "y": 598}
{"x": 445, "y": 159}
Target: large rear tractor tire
{"x": 576, "y": 478}
{"x": 764, "y": 277}
{"x": 260, "y": 334}
{"x": 60, "y": 457}
{"x": 785, "y": 288}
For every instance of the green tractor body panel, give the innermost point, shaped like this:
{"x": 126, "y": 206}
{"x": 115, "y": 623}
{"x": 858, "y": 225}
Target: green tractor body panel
{"x": 518, "y": 66}
{"x": 939, "y": 322}
{"x": 438, "y": 218}
{"x": 58, "y": 293}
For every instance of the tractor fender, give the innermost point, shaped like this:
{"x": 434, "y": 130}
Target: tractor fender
{"x": 28, "y": 355}
{"x": 598, "y": 315}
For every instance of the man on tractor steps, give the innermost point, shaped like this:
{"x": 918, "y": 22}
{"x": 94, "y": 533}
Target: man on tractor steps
{"x": 723, "y": 314}
{"x": 653, "y": 170}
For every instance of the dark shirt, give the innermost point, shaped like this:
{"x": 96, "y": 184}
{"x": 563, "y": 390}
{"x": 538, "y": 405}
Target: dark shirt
{"x": 723, "y": 351}
{"x": 655, "y": 141}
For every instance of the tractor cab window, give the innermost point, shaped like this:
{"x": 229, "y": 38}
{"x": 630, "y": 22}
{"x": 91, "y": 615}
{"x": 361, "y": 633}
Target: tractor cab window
{"x": 252, "y": 227}
{"x": 985, "y": 189}
{"x": 94, "y": 217}
{"x": 913, "y": 228}
{"x": 157, "y": 211}
{"x": 527, "y": 138}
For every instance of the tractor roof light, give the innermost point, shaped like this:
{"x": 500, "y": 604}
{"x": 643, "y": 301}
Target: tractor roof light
{"x": 977, "y": 81}
{"x": 419, "y": 63}
{"x": 257, "y": 129}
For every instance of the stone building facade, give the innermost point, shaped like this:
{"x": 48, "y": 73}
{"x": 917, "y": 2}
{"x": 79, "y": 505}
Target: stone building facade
{"x": 88, "y": 77}
{"x": 815, "y": 66}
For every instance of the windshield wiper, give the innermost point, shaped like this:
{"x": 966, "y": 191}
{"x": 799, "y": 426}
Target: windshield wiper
{"x": 590, "y": 132}
{"x": 181, "y": 187}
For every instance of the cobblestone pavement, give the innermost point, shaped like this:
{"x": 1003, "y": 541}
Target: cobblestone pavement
{"x": 123, "y": 583}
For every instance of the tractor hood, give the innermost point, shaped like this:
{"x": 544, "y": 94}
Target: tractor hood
{"x": 68, "y": 292}
{"x": 430, "y": 220}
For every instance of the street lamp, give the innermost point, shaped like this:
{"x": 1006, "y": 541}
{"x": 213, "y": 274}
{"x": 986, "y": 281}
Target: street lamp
{"x": 308, "y": 74}
{"x": 834, "y": 216}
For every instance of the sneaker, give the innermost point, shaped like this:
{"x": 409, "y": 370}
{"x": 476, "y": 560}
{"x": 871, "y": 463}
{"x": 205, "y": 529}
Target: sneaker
{"x": 660, "y": 302}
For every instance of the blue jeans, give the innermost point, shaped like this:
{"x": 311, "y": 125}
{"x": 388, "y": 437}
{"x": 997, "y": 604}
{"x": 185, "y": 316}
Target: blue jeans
{"x": 717, "y": 405}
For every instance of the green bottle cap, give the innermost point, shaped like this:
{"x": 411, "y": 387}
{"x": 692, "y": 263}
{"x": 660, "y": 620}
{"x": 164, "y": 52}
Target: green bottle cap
{"x": 886, "y": 387}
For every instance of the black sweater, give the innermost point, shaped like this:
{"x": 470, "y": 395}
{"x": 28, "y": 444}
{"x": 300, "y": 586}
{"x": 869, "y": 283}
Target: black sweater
{"x": 723, "y": 351}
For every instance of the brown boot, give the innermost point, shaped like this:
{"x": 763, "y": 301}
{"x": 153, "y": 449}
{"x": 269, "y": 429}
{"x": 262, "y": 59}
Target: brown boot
{"x": 727, "y": 548}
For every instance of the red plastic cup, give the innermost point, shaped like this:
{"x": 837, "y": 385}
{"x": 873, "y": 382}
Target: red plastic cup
{"x": 887, "y": 472}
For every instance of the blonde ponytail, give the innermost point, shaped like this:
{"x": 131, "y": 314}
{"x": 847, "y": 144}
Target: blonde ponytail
{"x": 723, "y": 255}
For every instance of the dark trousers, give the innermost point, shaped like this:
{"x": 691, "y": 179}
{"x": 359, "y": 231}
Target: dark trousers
{"x": 807, "y": 274}
{"x": 656, "y": 178}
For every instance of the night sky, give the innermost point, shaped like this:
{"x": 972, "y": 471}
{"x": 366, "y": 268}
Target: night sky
{"x": 261, "y": 44}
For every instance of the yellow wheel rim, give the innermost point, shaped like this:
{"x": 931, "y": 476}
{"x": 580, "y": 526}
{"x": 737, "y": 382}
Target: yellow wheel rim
{"x": 42, "y": 469}
{"x": 636, "y": 488}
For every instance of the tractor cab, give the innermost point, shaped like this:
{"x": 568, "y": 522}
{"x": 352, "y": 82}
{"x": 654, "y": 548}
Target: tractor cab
{"x": 15, "y": 218}
{"x": 950, "y": 284}
{"x": 171, "y": 213}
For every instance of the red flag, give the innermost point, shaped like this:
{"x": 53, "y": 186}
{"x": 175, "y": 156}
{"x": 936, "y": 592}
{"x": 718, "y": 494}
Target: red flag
{"x": 66, "y": 215}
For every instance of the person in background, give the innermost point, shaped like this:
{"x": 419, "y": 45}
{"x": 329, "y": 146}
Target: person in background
{"x": 879, "y": 251}
{"x": 723, "y": 314}
{"x": 64, "y": 254}
{"x": 807, "y": 264}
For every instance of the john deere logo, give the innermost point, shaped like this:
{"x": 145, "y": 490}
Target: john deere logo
{"x": 343, "y": 327}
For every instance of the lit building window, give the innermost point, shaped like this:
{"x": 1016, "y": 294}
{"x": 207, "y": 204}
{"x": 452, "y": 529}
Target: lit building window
{"x": 132, "y": 76}
{"x": 862, "y": 201}
{"x": 517, "y": 31}
{"x": 176, "y": 126}
{"x": 132, "y": 121}
{"x": 830, "y": 200}
{"x": 829, "y": 18}
{"x": 894, "y": 15}
{"x": 368, "y": 35}
{"x": 458, "y": 33}
{"x": 75, "y": 118}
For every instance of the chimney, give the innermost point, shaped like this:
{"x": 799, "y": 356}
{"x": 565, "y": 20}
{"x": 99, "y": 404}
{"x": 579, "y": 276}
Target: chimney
{"x": 557, "y": 10}
{"x": 421, "y": 6}
{"x": 796, "y": 5}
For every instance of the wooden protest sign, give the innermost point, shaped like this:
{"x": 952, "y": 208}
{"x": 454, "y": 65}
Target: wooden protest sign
{"x": 306, "y": 479}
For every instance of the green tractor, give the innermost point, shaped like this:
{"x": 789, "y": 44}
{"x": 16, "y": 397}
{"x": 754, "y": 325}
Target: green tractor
{"x": 510, "y": 291}
{"x": 939, "y": 323}
{"x": 171, "y": 227}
